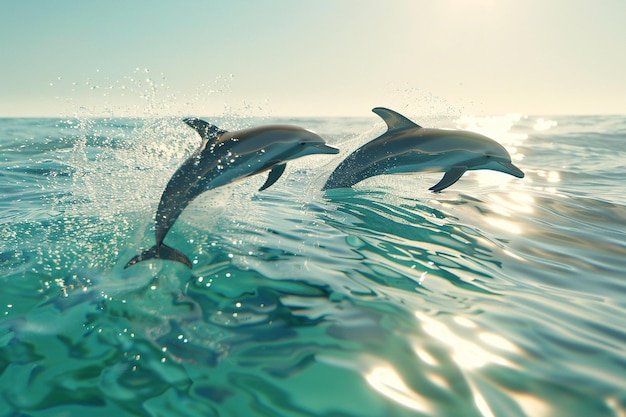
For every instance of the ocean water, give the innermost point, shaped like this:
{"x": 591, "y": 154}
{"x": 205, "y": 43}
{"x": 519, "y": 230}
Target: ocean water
{"x": 497, "y": 297}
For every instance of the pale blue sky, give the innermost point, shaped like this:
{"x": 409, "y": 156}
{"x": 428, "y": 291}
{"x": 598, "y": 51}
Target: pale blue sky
{"x": 323, "y": 57}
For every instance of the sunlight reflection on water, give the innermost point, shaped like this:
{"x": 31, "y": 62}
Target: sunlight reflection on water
{"x": 386, "y": 381}
{"x": 475, "y": 351}
{"x": 467, "y": 354}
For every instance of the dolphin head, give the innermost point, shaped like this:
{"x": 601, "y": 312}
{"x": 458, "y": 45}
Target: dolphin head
{"x": 499, "y": 163}
{"x": 508, "y": 168}
{"x": 493, "y": 155}
{"x": 306, "y": 142}
{"x": 277, "y": 142}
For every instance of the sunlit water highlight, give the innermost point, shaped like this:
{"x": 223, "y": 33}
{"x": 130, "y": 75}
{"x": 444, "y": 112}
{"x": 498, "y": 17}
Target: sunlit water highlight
{"x": 496, "y": 297}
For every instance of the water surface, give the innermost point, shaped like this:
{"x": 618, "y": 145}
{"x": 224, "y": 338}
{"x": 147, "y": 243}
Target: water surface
{"x": 496, "y": 297}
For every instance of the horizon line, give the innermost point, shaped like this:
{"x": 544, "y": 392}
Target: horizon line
{"x": 297, "y": 116}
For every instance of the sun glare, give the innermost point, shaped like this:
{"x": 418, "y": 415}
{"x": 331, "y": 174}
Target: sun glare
{"x": 386, "y": 380}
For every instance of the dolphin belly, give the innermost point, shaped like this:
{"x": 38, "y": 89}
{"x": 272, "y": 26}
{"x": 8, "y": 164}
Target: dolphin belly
{"x": 370, "y": 164}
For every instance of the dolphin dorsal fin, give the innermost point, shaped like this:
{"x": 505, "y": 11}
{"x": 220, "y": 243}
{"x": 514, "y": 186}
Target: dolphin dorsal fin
{"x": 395, "y": 121}
{"x": 206, "y": 130}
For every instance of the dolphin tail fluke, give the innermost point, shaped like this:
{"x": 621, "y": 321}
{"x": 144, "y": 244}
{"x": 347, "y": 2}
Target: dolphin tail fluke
{"x": 160, "y": 252}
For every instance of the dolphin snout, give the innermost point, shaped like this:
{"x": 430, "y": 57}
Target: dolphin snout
{"x": 509, "y": 168}
{"x": 323, "y": 148}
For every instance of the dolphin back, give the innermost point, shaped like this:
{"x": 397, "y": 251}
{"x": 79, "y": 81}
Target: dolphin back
{"x": 160, "y": 252}
{"x": 369, "y": 160}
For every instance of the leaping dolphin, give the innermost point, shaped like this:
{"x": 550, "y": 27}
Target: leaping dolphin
{"x": 225, "y": 157}
{"x": 408, "y": 147}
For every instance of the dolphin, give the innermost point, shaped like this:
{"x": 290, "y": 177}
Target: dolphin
{"x": 407, "y": 147}
{"x": 225, "y": 157}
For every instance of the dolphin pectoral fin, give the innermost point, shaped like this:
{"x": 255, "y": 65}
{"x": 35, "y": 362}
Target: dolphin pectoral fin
{"x": 274, "y": 175}
{"x": 449, "y": 178}
{"x": 160, "y": 252}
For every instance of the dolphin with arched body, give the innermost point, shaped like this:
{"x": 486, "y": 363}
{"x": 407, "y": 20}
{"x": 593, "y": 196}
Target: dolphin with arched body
{"x": 407, "y": 147}
{"x": 225, "y": 157}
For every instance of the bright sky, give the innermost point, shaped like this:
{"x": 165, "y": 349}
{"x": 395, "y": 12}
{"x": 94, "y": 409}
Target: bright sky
{"x": 322, "y": 57}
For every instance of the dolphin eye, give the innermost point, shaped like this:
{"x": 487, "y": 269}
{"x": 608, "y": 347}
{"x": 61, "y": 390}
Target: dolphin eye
{"x": 302, "y": 143}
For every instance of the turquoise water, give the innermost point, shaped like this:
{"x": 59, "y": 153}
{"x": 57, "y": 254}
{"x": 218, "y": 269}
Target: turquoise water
{"x": 496, "y": 297}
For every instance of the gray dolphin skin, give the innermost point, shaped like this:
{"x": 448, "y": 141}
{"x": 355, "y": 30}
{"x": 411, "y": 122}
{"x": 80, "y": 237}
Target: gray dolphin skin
{"x": 225, "y": 157}
{"x": 407, "y": 147}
